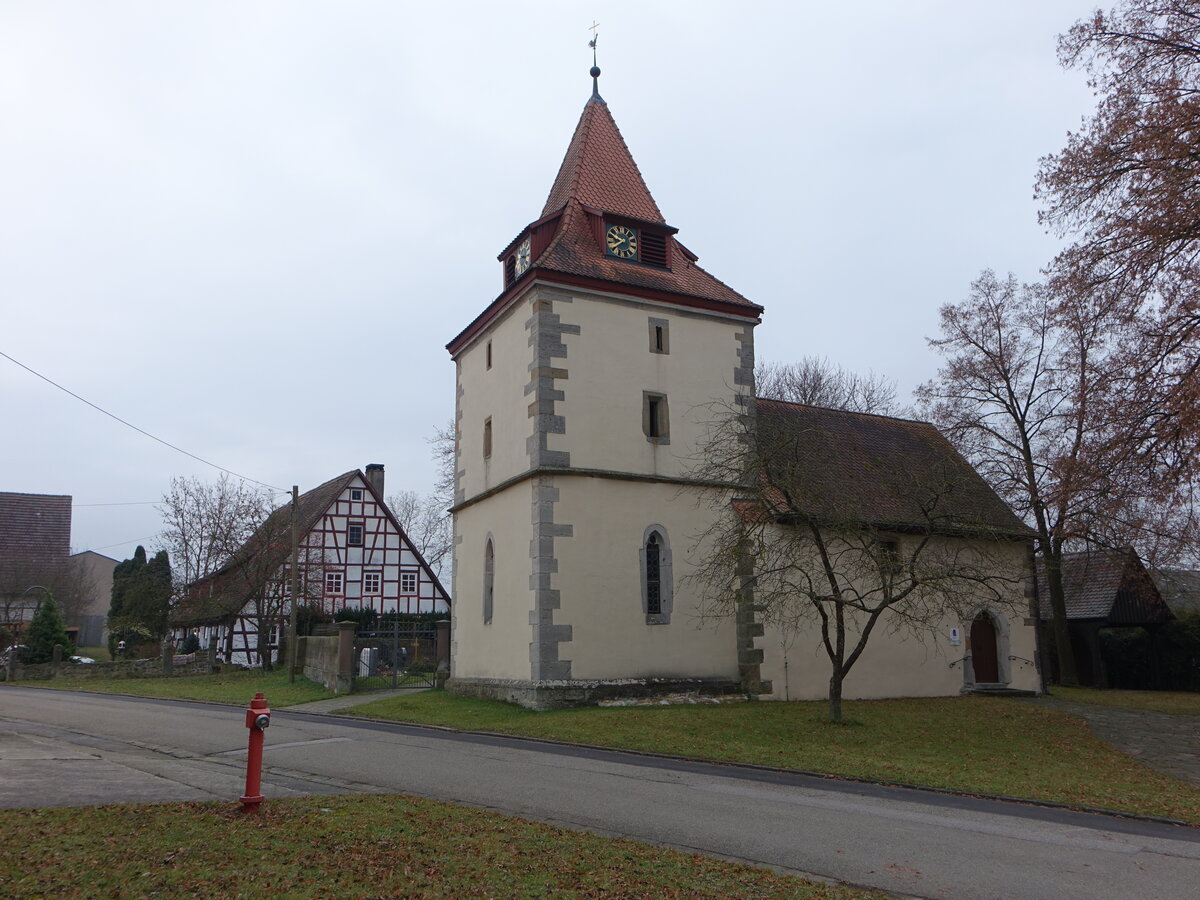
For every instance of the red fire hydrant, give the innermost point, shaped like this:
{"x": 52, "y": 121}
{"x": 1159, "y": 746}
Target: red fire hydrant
{"x": 258, "y": 717}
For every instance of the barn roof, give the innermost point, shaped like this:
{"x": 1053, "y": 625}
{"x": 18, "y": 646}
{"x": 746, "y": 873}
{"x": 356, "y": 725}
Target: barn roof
{"x": 1109, "y": 585}
{"x": 834, "y": 464}
{"x": 34, "y": 527}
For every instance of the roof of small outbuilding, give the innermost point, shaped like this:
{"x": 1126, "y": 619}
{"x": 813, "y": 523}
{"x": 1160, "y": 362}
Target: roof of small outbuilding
{"x": 1109, "y": 585}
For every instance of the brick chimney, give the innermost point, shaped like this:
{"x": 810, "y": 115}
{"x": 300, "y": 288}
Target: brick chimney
{"x": 375, "y": 477}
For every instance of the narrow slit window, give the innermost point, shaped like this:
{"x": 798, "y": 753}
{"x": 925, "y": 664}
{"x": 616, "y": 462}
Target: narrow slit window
{"x": 655, "y": 404}
{"x": 655, "y": 418}
{"x": 487, "y": 438}
{"x": 489, "y": 354}
{"x": 660, "y": 335}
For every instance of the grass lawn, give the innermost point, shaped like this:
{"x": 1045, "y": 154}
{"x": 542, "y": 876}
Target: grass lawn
{"x": 1179, "y": 703}
{"x": 231, "y": 686}
{"x": 357, "y": 846}
{"x": 975, "y": 744}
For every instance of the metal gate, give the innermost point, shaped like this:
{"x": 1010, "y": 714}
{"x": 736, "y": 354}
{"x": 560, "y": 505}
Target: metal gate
{"x": 403, "y": 655}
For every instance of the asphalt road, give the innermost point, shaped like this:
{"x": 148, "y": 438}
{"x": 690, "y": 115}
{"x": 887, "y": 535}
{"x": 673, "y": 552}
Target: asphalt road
{"x": 59, "y": 748}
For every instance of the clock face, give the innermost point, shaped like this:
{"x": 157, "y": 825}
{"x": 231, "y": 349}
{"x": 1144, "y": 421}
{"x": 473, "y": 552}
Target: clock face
{"x": 622, "y": 242}
{"x": 523, "y": 257}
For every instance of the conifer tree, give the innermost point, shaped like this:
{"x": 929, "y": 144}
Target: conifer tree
{"x": 45, "y": 630}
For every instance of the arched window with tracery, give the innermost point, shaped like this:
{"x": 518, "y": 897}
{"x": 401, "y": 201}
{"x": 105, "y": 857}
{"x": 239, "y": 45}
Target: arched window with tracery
{"x": 657, "y": 588}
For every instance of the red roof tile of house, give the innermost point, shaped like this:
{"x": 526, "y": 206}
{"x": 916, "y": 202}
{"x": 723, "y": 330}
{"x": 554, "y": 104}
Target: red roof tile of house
{"x": 575, "y": 250}
{"x": 598, "y": 178}
{"x": 599, "y": 170}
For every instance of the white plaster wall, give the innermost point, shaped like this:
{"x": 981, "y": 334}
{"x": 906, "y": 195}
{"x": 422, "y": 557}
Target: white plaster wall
{"x": 498, "y": 392}
{"x": 500, "y": 649}
{"x": 599, "y": 577}
{"x": 609, "y": 365}
{"x": 898, "y": 663}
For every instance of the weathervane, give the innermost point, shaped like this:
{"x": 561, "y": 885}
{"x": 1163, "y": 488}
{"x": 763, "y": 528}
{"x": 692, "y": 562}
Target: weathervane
{"x": 595, "y": 68}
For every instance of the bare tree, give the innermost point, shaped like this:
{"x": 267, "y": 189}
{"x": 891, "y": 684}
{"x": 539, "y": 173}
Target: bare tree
{"x": 1033, "y": 394}
{"x": 426, "y": 520}
{"x": 1127, "y": 188}
{"x": 815, "y": 381}
{"x": 204, "y": 523}
{"x": 846, "y": 525}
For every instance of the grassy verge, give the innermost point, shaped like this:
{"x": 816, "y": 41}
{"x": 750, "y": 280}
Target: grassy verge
{"x": 351, "y": 847}
{"x": 232, "y": 686}
{"x": 1177, "y": 703}
{"x": 975, "y": 744}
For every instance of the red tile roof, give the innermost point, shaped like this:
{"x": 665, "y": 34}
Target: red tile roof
{"x": 599, "y": 171}
{"x": 599, "y": 178}
{"x": 575, "y": 250}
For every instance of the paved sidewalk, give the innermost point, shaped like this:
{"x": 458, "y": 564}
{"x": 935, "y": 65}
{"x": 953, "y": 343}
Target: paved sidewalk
{"x": 1167, "y": 744}
{"x": 345, "y": 701}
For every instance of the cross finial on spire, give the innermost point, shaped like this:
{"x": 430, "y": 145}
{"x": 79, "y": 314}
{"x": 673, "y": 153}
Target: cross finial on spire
{"x": 595, "y": 68}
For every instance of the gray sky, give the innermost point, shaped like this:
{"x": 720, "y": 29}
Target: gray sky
{"x": 250, "y": 228}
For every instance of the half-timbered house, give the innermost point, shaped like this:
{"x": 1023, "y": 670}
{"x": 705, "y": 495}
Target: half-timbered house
{"x": 352, "y": 553}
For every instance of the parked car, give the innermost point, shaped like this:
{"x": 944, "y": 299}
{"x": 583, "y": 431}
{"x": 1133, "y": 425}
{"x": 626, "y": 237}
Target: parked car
{"x": 4, "y": 654}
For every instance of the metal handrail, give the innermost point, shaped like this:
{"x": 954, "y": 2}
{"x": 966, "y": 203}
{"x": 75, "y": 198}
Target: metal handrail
{"x": 957, "y": 661}
{"x": 1022, "y": 659}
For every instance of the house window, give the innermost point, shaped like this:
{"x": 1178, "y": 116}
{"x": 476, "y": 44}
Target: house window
{"x": 408, "y": 582}
{"x": 657, "y": 587}
{"x": 655, "y": 420}
{"x": 489, "y": 354}
{"x": 355, "y": 493}
{"x": 372, "y": 582}
{"x": 487, "y": 437}
{"x": 659, "y": 336}
{"x": 889, "y": 557}
{"x": 333, "y": 583}
{"x": 489, "y": 580}
{"x": 354, "y": 534}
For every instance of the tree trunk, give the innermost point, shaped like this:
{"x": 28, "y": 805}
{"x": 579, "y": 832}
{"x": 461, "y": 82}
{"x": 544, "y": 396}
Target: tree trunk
{"x": 835, "y": 695}
{"x": 1068, "y": 672}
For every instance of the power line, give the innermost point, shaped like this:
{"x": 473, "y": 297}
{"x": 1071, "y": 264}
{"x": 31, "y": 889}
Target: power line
{"x": 127, "y": 503}
{"x": 121, "y": 543}
{"x": 140, "y": 430}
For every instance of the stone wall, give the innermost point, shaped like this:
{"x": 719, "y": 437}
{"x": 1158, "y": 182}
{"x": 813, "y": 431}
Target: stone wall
{"x": 326, "y": 659}
{"x": 191, "y": 664}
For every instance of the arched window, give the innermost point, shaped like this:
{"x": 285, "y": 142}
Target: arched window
{"x": 653, "y": 576}
{"x": 657, "y": 590}
{"x": 489, "y": 580}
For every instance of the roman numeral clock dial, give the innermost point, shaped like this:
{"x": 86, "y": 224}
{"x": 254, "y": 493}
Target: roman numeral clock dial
{"x": 622, "y": 242}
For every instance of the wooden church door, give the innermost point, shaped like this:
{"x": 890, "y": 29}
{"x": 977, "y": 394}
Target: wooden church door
{"x": 984, "y": 658}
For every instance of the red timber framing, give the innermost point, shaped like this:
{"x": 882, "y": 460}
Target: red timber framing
{"x": 400, "y": 581}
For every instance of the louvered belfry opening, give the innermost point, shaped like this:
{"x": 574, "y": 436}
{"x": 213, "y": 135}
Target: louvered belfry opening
{"x": 653, "y": 250}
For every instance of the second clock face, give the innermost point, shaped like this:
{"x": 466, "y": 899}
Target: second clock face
{"x": 622, "y": 241}
{"x": 523, "y": 257}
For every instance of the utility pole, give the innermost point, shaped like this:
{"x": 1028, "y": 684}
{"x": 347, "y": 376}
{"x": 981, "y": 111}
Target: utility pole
{"x": 294, "y": 579}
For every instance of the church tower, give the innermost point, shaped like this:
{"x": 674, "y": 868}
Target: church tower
{"x": 583, "y": 390}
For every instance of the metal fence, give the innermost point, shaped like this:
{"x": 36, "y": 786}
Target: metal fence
{"x": 403, "y": 655}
